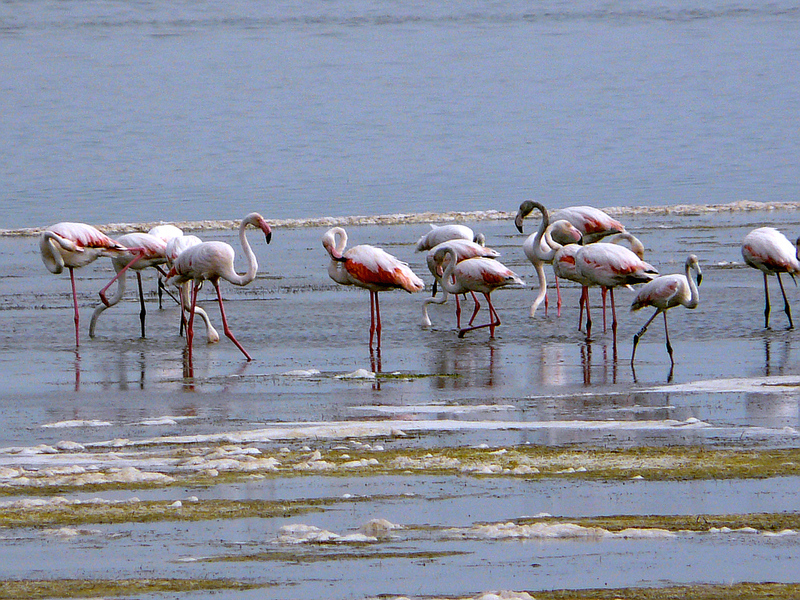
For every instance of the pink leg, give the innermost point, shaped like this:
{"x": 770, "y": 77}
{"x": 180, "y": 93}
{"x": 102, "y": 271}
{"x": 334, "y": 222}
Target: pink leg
{"x": 477, "y": 308}
{"x": 581, "y": 303}
{"x": 494, "y": 321}
{"x": 546, "y": 302}
{"x": 138, "y": 256}
{"x": 558, "y": 293}
{"x": 190, "y": 324}
{"x": 378, "y": 326}
{"x": 613, "y": 317}
{"x": 75, "y": 304}
{"x": 371, "y": 317}
{"x": 458, "y": 312}
{"x": 228, "y": 332}
{"x": 603, "y": 292}
{"x": 588, "y": 316}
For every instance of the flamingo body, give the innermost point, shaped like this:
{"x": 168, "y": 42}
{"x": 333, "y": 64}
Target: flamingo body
{"x": 370, "y": 268}
{"x": 213, "y": 261}
{"x": 769, "y": 251}
{"x": 592, "y": 222}
{"x": 152, "y": 252}
{"x": 483, "y": 275}
{"x": 166, "y": 232}
{"x": 75, "y": 245}
{"x": 665, "y": 292}
{"x": 444, "y": 233}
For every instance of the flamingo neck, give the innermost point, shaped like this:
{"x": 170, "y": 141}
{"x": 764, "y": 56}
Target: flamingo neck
{"x": 539, "y": 267}
{"x": 694, "y": 299}
{"x": 252, "y": 263}
{"x": 447, "y": 277}
{"x": 545, "y": 255}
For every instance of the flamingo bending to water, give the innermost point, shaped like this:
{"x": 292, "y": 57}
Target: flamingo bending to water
{"x": 153, "y": 254}
{"x": 444, "y": 233}
{"x": 464, "y": 249}
{"x": 370, "y": 268}
{"x": 214, "y": 261}
{"x": 482, "y": 275}
{"x": 75, "y": 245}
{"x": 665, "y": 292}
{"x": 769, "y": 251}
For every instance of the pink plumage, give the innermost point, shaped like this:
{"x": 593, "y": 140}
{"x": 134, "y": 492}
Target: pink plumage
{"x": 769, "y": 251}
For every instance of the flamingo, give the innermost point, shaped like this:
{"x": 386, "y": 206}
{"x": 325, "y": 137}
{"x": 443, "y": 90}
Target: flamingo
{"x": 370, "y": 268}
{"x": 610, "y": 266}
{"x": 75, "y": 245}
{"x": 665, "y": 292}
{"x": 153, "y": 254}
{"x": 769, "y": 251}
{"x": 480, "y": 274}
{"x": 214, "y": 261}
{"x": 166, "y": 232}
{"x": 175, "y": 246}
{"x": 538, "y": 252}
{"x": 464, "y": 249}
{"x": 444, "y": 233}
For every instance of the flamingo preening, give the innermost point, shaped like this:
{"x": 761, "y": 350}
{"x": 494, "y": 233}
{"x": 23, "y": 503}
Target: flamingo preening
{"x": 769, "y": 251}
{"x": 214, "y": 261}
{"x": 75, "y": 245}
{"x": 665, "y": 292}
{"x": 482, "y": 275}
{"x": 464, "y": 249}
{"x": 370, "y": 268}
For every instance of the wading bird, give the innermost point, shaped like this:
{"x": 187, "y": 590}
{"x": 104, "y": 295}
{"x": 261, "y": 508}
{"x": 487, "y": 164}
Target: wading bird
{"x": 166, "y": 232}
{"x": 610, "y": 266}
{"x": 482, "y": 275}
{"x": 444, "y": 233}
{"x": 464, "y": 250}
{"x": 665, "y": 292}
{"x": 370, "y": 268}
{"x": 153, "y": 254}
{"x": 75, "y": 245}
{"x": 214, "y": 261}
{"x": 769, "y": 251}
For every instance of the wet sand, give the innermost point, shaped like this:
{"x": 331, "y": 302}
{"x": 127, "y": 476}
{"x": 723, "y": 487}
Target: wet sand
{"x": 311, "y": 385}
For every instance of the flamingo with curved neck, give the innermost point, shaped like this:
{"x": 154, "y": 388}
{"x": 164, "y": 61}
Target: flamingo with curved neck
{"x": 665, "y": 292}
{"x": 214, "y": 261}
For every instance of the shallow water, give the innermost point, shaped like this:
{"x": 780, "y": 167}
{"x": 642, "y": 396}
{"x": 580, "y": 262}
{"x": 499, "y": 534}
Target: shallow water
{"x": 538, "y": 382}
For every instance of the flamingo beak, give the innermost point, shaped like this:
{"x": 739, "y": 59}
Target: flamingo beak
{"x": 699, "y": 278}
{"x": 518, "y": 222}
{"x": 267, "y": 232}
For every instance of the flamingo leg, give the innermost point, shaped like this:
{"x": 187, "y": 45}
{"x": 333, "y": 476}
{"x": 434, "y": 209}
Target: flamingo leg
{"x": 604, "y": 291}
{"x": 190, "y": 324}
{"x": 641, "y": 333}
{"x": 581, "y": 303}
{"x": 494, "y": 320}
{"x": 613, "y": 317}
{"x": 477, "y": 308}
{"x": 766, "y": 308}
{"x": 378, "y": 326}
{"x": 786, "y": 308}
{"x": 142, "y": 309}
{"x": 588, "y": 316}
{"x": 133, "y": 261}
{"x": 225, "y": 327}
{"x": 75, "y": 304}
{"x": 371, "y": 317}
{"x": 458, "y": 312}
{"x": 558, "y": 302}
{"x": 669, "y": 346}
{"x": 546, "y": 304}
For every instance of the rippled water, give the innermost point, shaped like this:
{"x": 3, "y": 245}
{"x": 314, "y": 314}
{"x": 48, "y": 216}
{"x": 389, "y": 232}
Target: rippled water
{"x": 131, "y": 112}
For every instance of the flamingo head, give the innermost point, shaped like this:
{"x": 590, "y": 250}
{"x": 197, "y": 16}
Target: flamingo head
{"x": 566, "y": 233}
{"x": 257, "y": 220}
{"x": 524, "y": 210}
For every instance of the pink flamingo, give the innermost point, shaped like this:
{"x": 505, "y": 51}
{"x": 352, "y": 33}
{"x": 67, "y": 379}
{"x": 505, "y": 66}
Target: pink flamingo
{"x": 370, "y": 268}
{"x": 152, "y": 254}
{"x": 482, "y": 275}
{"x": 214, "y": 261}
{"x": 166, "y": 232}
{"x": 769, "y": 251}
{"x": 75, "y": 245}
{"x": 464, "y": 249}
{"x": 665, "y": 292}
{"x": 444, "y": 233}
{"x": 611, "y": 266}
{"x": 539, "y": 252}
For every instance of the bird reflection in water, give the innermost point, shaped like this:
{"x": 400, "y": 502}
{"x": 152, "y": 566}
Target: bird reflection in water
{"x": 376, "y": 367}
{"x": 466, "y": 366}
{"x": 587, "y": 367}
{"x": 77, "y": 369}
{"x": 188, "y": 370}
{"x": 784, "y": 346}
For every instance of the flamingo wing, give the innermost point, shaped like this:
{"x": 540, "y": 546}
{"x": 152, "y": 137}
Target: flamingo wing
{"x": 376, "y": 269}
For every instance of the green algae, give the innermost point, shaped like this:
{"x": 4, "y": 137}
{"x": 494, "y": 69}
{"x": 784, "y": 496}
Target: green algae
{"x": 95, "y": 588}
{"x": 739, "y": 591}
{"x": 529, "y": 462}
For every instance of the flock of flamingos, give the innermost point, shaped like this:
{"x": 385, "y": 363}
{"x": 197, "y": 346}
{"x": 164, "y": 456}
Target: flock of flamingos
{"x": 582, "y": 243}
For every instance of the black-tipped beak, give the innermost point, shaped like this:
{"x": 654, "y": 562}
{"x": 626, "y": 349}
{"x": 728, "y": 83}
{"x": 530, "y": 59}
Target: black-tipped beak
{"x": 434, "y": 287}
{"x": 518, "y": 224}
{"x": 699, "y": 278}
{"x": 268, "y": 235}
